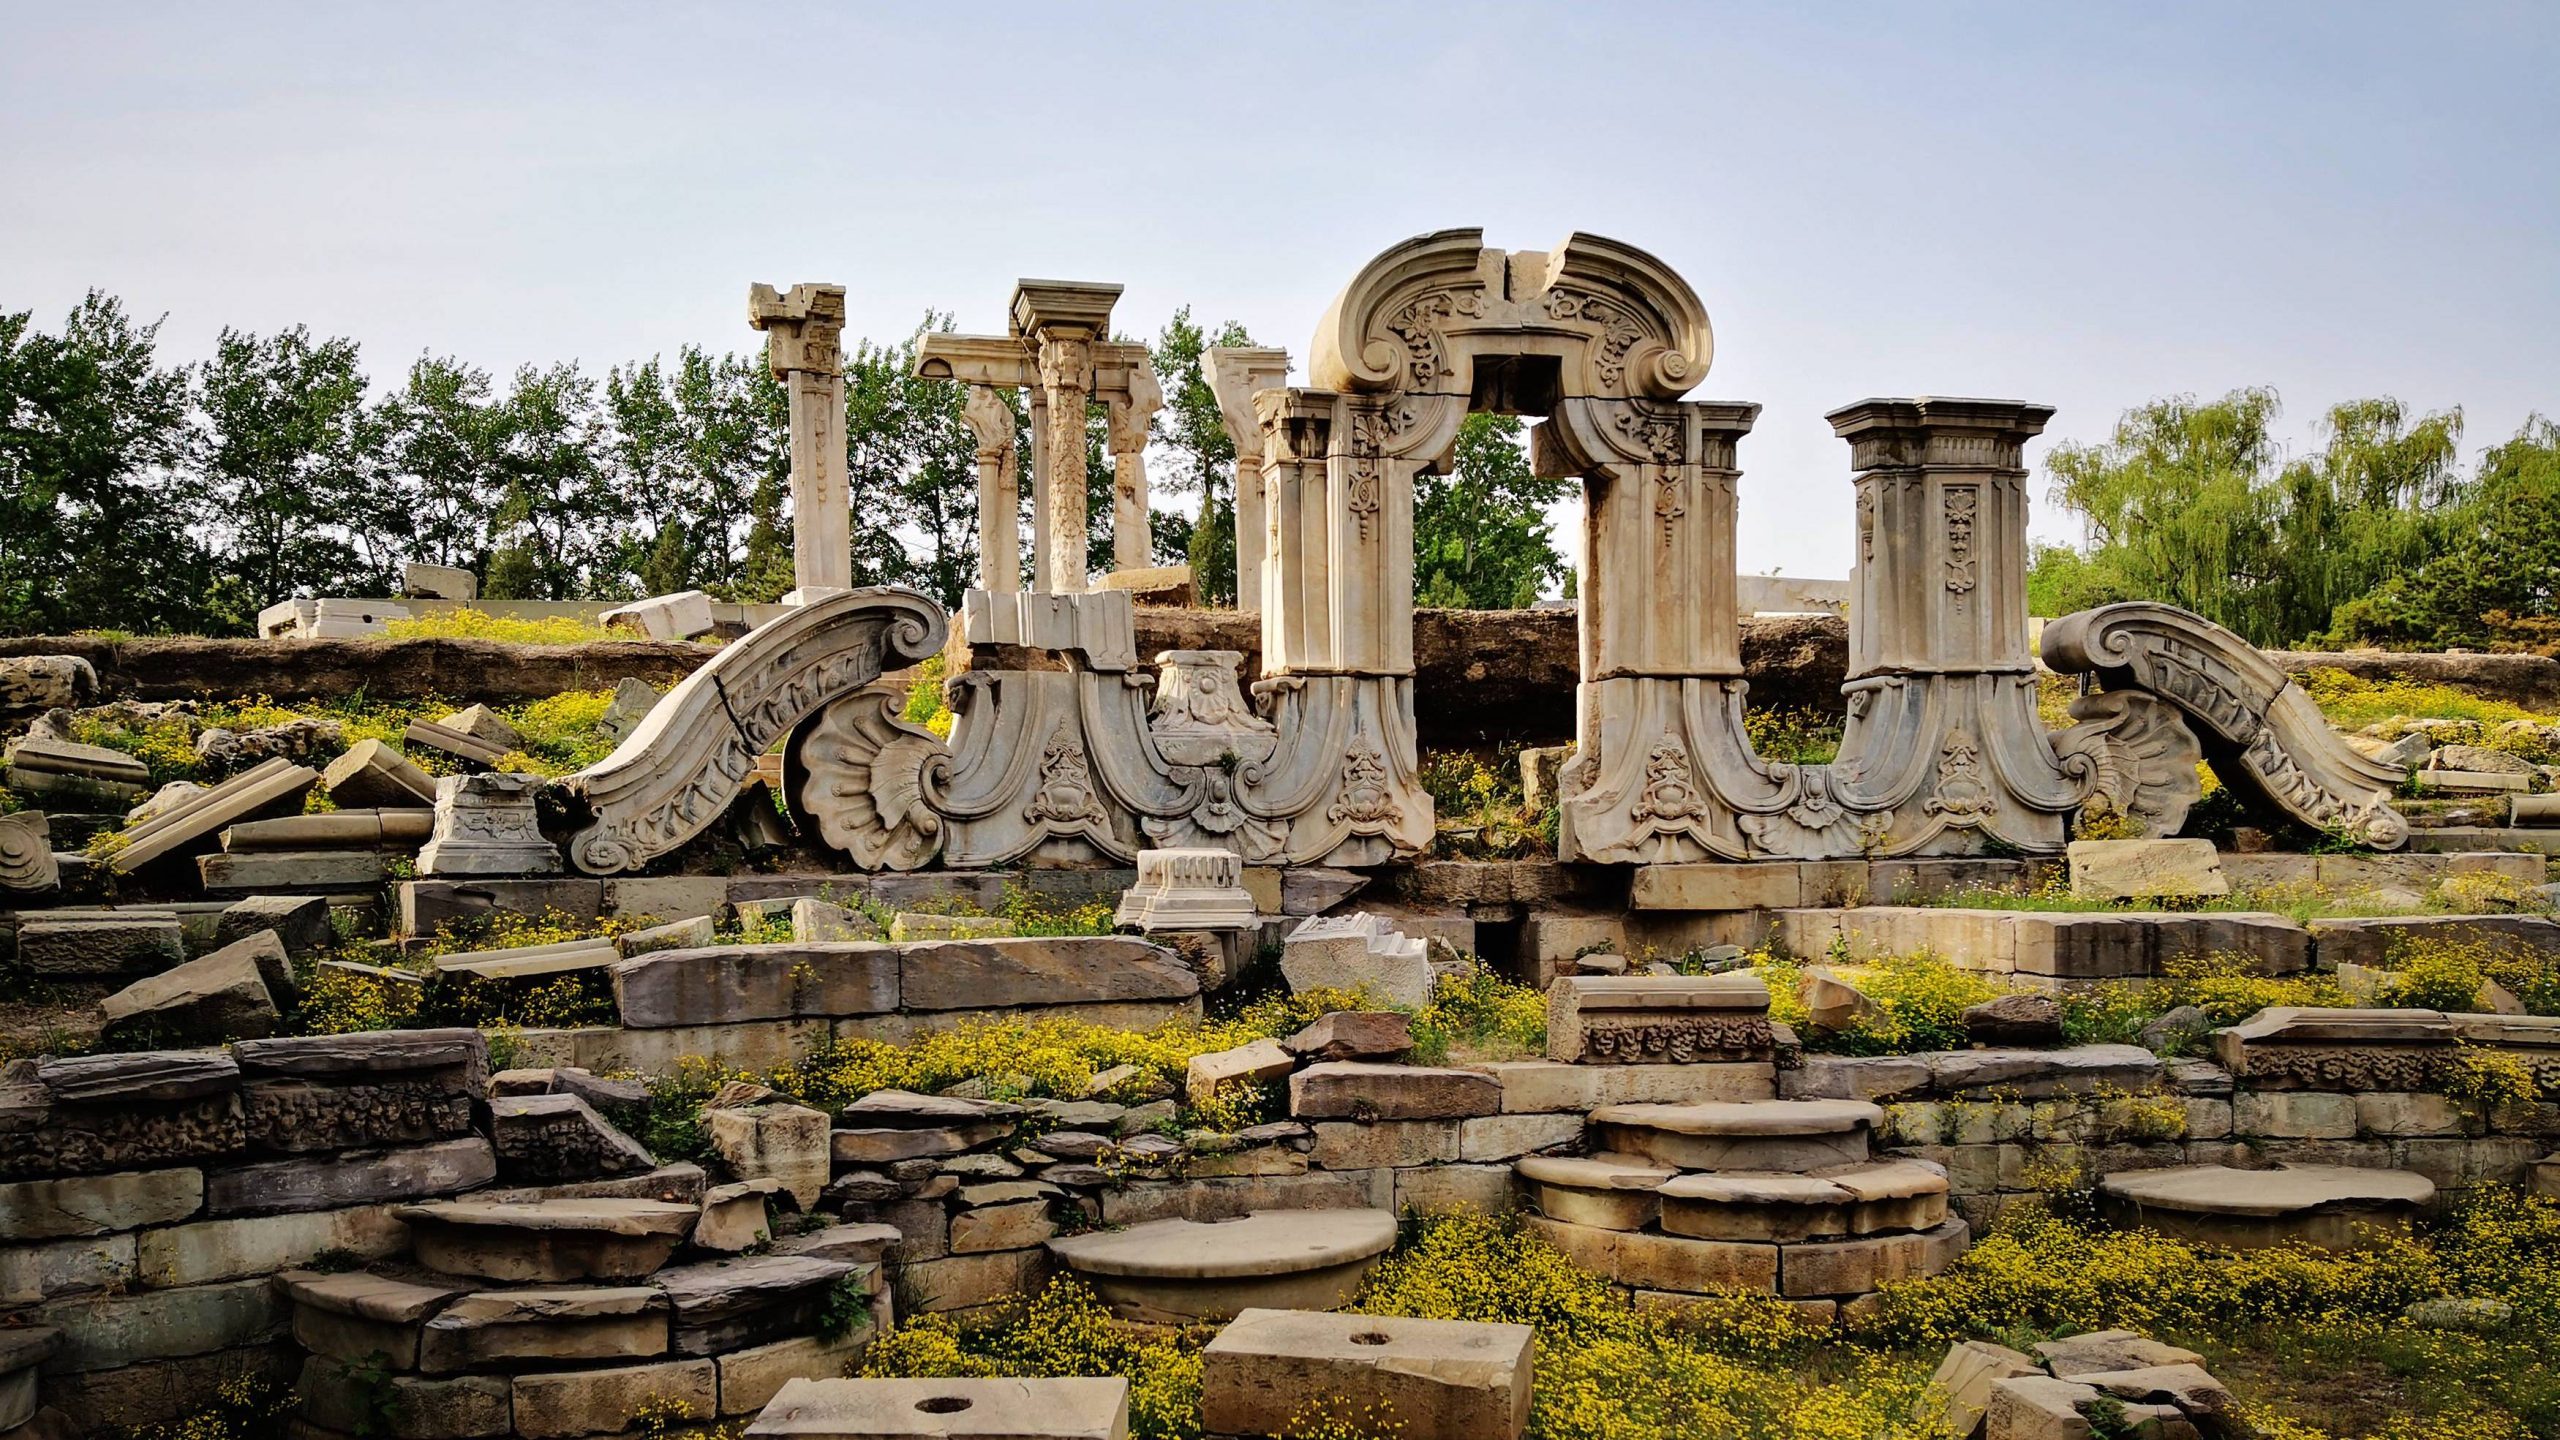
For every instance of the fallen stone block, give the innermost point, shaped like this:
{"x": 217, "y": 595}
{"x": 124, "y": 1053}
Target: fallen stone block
{"x": 735, "y": 1218}
{"x": 1002, "y": 1409}
{"x": 679, "y": 616}
{"x": 633, "y": 699}
{"x": 814, "y": 920}
{"x": 689, "y": 934}
{"x": 98, "y": 1204}
{"x": 352, "y": 1177}
{"x": 452, "y": 742}
{"x": 547, "y": 1139}
{"x": 1257, "y": 1063}
{"x": 1353, "y": 1035}
{"x": 223, "y": 996}
{"x": 338, "y": 872}
{"x": 567, "y": 1404}
{"x": 300, "y": 922}
{"x": 1352, "y": 1090}
{"x": 484, "y": 725}
{"x": 510, "y": 1327}
{"x": 1065, "y": 970}
{"x": 2146, "y": 870}
{"x": 751, "y": 1300}
{"x": 551, "y": 1241}
{"x": 1188, "y": 889}
{"x": 354, "y": 1315}
{"x": 1431, "y": 1379}
{"x": 1359, "y": 954}
{"x": 422, "y": 581}
{"x": 486, "y": 825}
{"x": 100, "y": 943}
{"x": 271, "y": 787}
{"x": 1658, "y": 1019}
{"x": 1966, "y": 1376}
{"x": 783, "y": 1141}
{"x": 726, "y": 984}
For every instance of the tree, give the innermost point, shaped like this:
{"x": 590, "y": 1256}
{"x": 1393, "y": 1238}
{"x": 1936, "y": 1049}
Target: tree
{"x": 1481, "y": 540}
{"x": 2496, "y": 581}
{"x": 441, "y": 441}
{"x": 1198, "y": 457}
{"x": 97, "y": 496}
{"x": 551, "y": 486}
{"x": 292, "y": 467}
{"x": 912, "y": 463}
{"x": 2190, "y": 503}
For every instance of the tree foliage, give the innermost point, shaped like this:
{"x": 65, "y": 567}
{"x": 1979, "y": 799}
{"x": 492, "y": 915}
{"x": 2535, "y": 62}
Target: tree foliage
{"x": 2194, "y": 503}
{"x": 146, "y": 496}
{"x": 1481, "y": 540}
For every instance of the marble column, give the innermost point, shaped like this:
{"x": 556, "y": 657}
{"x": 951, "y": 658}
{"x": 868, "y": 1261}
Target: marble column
{"x": 804, "y": 333}
{"x": 999, "y": 491}
{"x": 1062, "y": 321}
{"x": 1132, "y": 414}
{"x": 1235, "y": 373}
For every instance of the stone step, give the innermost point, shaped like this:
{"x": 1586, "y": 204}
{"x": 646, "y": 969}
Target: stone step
{"x": 1873, "y": 1198}
{"x": 1757, "y": 1135}
{"x": 1610, "y": 1192}
{"x": 547, "y": 1242}
{"x": 1176, "y": 1272}
{"x": 2334, "y": 1207}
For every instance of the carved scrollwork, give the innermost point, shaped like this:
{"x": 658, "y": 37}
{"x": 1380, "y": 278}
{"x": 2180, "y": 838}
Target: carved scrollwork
{"x": 2259, "y": 730}
{"x": 680, "y": 768}
{"x": 862, "y": 779}
{"x": 1963, "y": 504}
{"x": 2144, "y": 756}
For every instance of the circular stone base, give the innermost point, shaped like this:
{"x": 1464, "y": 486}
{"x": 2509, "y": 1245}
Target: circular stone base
{"x": 1176, "y": 1272}
{"x": 2332, "y": 1207}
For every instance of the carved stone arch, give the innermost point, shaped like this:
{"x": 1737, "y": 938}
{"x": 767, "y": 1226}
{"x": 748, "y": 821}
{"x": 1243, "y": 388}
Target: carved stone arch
{"x": 680, "y": 769}
{"x": 1619, "y": 323}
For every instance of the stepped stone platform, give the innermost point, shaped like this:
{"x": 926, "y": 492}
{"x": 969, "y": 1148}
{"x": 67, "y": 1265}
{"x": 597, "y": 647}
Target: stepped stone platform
{"x": 2334, "y": 1207}
{"x": 1777, "y": 1196}
{"x": 1740, "y": 1135}
{"x": 1176, "y": 1272}
{"x": 547, "y": 1242}
{"x": 461, "y": 1347}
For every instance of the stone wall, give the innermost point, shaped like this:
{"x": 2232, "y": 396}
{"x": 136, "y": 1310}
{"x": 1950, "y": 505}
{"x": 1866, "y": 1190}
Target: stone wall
{"x": 147, "y": 1199}
{"x": 2009, "y": 1124}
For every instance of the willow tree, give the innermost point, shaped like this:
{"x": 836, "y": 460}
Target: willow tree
{"x": 2193, "y": 503}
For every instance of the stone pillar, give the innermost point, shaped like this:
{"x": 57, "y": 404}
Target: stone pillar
{"x": 1940, "y": 584}
{"x": 805, "y": 333}
{"x": 1659, "y": 761}
{"x": 999, "y": 491}
{"x": 1132, "y": 541}
{"x": 1235, "y": 373}
{"x": 1297, "y": 611}
{"x": 1062, "y": 320}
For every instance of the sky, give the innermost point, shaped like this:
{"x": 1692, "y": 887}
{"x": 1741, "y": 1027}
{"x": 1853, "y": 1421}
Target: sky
{"x": 2085, "y": 205}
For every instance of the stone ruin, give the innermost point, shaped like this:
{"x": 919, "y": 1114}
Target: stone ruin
{"x": 1066, "y": 751}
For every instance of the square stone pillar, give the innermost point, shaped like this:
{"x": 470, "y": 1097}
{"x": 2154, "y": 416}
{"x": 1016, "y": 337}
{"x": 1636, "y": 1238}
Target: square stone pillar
{"x": 1940, "y": 583}
{"x": 805, "y": 341}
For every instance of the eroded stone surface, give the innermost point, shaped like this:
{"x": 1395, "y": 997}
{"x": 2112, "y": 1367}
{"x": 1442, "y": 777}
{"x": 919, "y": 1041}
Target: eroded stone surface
{"x": 547, "y": 1241}
{"x": 1008, "y": 1409}
{"x": 1307, "y": 1259}
{"x": 1439, "y": 1379}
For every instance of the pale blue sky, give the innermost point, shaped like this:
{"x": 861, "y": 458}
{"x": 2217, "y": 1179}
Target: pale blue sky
{"x": 2086, "y": 205}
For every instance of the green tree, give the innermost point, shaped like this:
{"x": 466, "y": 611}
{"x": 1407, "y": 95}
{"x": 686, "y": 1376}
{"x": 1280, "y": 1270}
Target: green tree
{"x": 96, "y": 493}
{"x": 2192, "y": 504}
{"x": 1194, "y": 456}
{"x": 1481, "y": 540}
{"x": 2496, "y": 581}
{"x": 554, "y": 499}
{"x": 911, "y": 466}
{"x": 293, "y": 469}
{"x": 442, "y": 437}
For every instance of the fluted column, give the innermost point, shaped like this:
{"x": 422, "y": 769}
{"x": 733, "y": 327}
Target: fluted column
{"x": 999, "y": 491}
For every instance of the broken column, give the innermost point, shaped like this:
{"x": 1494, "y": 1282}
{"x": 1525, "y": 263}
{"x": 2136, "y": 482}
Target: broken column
{"x": 486, "y": 825}
{"x": 1062, "y": 320}
{"x": 1235, "y": 373}
{"x": 804, "y": 338}
{"x": 991, "y": 421}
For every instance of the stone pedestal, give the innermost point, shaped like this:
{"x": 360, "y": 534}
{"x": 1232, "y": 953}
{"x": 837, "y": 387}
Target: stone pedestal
{"x": 486, "y": 825}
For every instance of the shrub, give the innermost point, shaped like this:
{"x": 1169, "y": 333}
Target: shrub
{"x": 1920, "y": 1000}
{"x": 467, "y": 623}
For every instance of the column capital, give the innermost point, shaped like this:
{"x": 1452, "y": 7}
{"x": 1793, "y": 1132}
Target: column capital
{"x": 1068, "y": 309}
{"x": 1936, "y": 431}
{"x": 805, "y": 328}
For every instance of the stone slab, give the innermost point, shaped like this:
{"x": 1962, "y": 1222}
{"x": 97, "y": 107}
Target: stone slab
{"x": 1004, "y": 1409}
{"x": 1437, "y": 1379}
